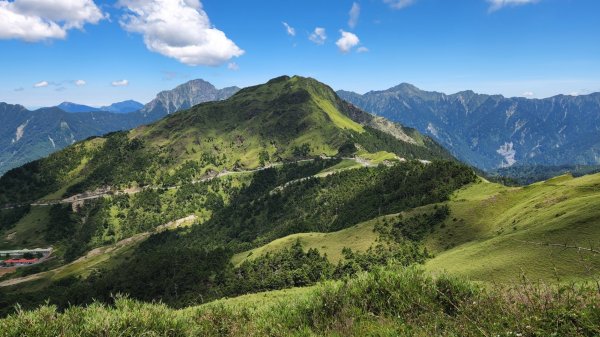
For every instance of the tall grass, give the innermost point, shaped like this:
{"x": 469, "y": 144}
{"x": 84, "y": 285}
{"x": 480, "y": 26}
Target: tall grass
{"x": 385, "y": 302}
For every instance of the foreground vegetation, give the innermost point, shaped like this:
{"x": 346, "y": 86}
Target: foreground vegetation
{"x": 387, "y": 301}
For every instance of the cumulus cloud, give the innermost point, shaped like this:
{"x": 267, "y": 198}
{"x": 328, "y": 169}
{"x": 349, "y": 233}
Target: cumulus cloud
{"x": 399, "y": 4}
{"x": 318, "y": 36}
{"x": 291, "y": 31}
{"x": 179, "y": 29}
{"x": 233, "y": 66}
{"x": 121, "y": 83}
{"x": 347, "y": 41}
{"x": 497, "y": 4}
{"x": 36, "y": 20}
{"x": 362, "y": 50}
{"x": 41, "y": 84}
{"x": 80, "y": 83}
{"x": 354, "y": 15}
{"x": 528, "y": 94}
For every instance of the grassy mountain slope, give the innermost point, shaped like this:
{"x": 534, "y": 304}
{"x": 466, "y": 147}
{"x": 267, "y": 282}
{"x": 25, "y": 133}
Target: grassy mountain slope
{"x": 493, "y": 233}
{"x": 496, "y": 233}
{"x": 284, "y": 119}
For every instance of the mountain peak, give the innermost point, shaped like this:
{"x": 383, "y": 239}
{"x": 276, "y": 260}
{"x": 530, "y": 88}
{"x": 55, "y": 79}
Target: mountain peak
{"x": 405, "y": 87}
{"x": 185, "y": 96}
{"x": 74, "y": 107}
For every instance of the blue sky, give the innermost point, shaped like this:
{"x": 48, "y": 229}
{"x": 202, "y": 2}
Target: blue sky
{"x": 515, "y": 47}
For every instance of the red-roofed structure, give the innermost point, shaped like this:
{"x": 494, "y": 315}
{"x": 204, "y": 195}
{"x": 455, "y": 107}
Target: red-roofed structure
{"x": 20, "y": 261}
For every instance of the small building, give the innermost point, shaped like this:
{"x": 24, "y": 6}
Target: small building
{"x": 20, "y": 262}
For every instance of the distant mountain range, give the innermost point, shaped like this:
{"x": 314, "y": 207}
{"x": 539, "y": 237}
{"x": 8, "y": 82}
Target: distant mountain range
{"x": 120, "y": 107}
{"x": 185, "y": 96}
{"x": 492, "y": 131}
{"x": 28, "y": 135}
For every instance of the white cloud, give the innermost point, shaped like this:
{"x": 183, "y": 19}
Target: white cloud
{"x": 121, "y": 83}
{"x": 41, "y": 84}
{"x": 80, "y": 83}
{"x": 290, "y": 30}
{"x": 233, "y": 66}
{"x": 399, "y": 4}
{"x": 497, "y": 4}
{"x": 36, "y": 20}
{"x": 362, "y": 50}
{"x": 179, "y": 29}
{"x": 347, "y": 41}
{"x": 354, "y": 15}
{"x": 528, "y": 94}
{"x": 318, "y": 36}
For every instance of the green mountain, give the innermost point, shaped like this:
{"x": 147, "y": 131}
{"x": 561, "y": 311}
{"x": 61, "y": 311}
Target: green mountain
{"x": 283, "y": 120}
{"x": 285, "y": 157}
{"x": 286, "y": 186}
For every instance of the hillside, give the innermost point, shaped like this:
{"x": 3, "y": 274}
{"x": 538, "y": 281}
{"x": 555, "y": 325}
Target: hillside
{"x": 553, "y": 225}
{"x": 251, "y": 169}
{"x": 285, "y": 119}
{"x": 30, "y": 135}
{"x": 492, "y": 131}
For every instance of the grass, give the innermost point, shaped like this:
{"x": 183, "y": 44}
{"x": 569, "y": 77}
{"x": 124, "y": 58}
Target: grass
{"x": 262, "y": 300}
{"x": 357, "y": 238}
{"x": 500, "y": 234}
{"x": 27, "y": 232}
{"x": 378, "y": 157}
{"x": 386, "y": 302}
{"x": 339, "y": 119}
{"x": 345, "y": 164}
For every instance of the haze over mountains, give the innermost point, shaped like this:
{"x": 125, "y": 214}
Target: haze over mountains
{"x": 29, "y": 135}
{"x": 492, "y": 131}
{"x": 120, "y": 107}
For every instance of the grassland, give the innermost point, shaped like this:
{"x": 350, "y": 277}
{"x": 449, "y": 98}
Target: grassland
{"x": 377, "y": 157}
{"x": 501, "y": 234}
{"x": 358, "y": 238}
{"x": 384, "y": 302}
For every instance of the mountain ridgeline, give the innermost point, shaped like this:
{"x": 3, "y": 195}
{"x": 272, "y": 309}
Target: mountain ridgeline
{"x": 492, "y": 131}
{"x": 30, "y": 135}
{"x": 283, "y": 120}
